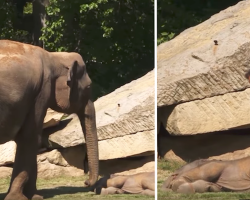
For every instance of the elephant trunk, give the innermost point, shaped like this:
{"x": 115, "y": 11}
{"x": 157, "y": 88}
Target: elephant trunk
{"x": 88, "y": 123}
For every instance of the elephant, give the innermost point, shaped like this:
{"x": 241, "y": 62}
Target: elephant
{"x": 211, "y": 176}
{"x": 167, "y": 183}
{"x": 31, "y": 81}
{"x": 141, "y": 183}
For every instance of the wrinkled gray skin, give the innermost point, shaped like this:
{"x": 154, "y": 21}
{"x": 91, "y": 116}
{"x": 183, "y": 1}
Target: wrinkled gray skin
{"x": 32, "y": 80}
{"x": 211, "y": 176}
{"x": 167, "y": 184}
{"x": 141, "y": 183}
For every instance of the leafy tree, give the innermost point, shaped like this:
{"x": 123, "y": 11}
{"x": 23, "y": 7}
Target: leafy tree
{"x": 7, "y": 19}
{"x": 115, "y": 38}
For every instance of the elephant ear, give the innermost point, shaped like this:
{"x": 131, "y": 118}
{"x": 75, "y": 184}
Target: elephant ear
{"x": 72, "y": 74}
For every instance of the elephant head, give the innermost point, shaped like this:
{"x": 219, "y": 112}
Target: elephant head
{"x": 70, "y": 93}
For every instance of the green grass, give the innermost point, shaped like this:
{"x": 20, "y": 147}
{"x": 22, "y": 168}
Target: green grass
{"x": 65, "y": 188}
{"x": 169, "y": 165}
{"x": 165, "y": 168}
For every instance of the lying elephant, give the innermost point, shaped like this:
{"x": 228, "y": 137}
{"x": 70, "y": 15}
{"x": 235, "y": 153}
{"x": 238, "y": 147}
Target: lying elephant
{"x": 167, "y": 184}
{"x": 32, "y": 80}
{"x": 141, "y": 183}
{"x": 211, "y": 176}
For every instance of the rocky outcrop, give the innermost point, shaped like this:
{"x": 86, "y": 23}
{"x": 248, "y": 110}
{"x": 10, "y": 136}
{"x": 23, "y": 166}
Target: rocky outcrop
{"x": 125, "y": 128}
{"x": 70, "y": 134}
{"x": 52, "y": 118}
{"x": 192, "y": 67}
{"x": 202, "y": 91}
{"x": 8, "y": 151}
{"x": 216, "y": 113}
{"x": 55, "y": 164}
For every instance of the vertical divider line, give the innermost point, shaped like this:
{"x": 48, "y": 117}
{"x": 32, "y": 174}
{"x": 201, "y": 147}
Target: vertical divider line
{"x": 155, "y": 70}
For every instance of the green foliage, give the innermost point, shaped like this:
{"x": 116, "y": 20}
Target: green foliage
{"x": 170, "y": 165}
{"x": 115, "y": 38}
{"x": 28, "y": 8}
{"x": 7, "y": 16}
{"x": 174, "y": 16}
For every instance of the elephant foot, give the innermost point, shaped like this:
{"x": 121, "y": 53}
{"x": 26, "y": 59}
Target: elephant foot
{"x": 104, "y": 191}
{"x": 119, "y": 191}
{"x": 37, "y": 197}
{"x": 15, "y": 196}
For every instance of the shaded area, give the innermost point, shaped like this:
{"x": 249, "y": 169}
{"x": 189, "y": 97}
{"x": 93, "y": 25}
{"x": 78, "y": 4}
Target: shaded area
{"x": 190, "y": 148}
{"x": 123, "y": 164}
{"x": 51, "y": 192}
{"x": 48, "y": 131}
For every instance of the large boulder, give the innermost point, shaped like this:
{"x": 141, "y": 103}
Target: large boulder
{"x": 201, "y": 83}
{"x": 216, "y": 113}
{"x": 192, "y": 66}
{"x": 203, "y": 97}
{"x": 8, "y": 151}
{"x": 52, "y": 118}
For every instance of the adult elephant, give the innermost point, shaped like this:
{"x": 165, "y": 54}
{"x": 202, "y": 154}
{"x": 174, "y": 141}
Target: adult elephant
{"x": 32, "y": 80}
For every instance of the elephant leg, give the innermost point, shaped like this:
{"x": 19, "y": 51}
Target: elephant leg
{"x": 167, "y": 183}
{"x": 199, "y": 186}
{"x": 111, "y": 190}
{"x": 24, "y": 162}
{"x": 176, "y": 183}
{"x": 24, "y": 175}
{"x": 148, "y": 192}
{"x": 30, "y": 189}
{"x": 215, "y": 188}
{"x": 186, "y": 188}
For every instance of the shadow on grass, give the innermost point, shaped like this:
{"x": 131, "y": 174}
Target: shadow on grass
{"x": 2, "y": 196}
{"x": 51, "y": 192}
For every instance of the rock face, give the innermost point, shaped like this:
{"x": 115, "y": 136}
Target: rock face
{"x": 52, "y": 118}
{"x": 201, "y": 86}
{"x": 127, "y": 110}
{"x": 129, "y": 145}
{"x": 124, "y": 166}
{"x": 202, "y": 91}
{"x": 210, "y": 114}
{"x": 125, "y": 128}
{"x": 8, "y": 151}
{"x": 192, "y": 67}
{"x": 67, "y": 134}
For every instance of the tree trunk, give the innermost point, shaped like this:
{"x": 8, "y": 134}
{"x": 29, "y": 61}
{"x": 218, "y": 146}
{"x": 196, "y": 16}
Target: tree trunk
{"x": 39, "y": 18}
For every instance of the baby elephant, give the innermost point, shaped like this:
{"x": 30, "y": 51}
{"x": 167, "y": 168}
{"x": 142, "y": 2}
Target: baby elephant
{"x": 141, "y": 183}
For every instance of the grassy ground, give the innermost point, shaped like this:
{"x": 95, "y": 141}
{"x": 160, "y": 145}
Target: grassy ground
{"x": 165, "y": 168}
{"x": 65, "y": 188}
